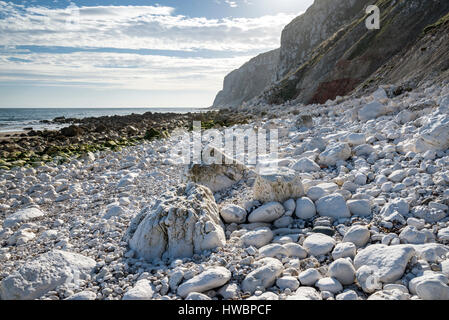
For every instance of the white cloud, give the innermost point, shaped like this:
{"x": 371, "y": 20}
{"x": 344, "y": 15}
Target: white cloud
{"x": 128, "y": 27}
{"x": 122, "y": 71}
{"x": 137, "y": 27}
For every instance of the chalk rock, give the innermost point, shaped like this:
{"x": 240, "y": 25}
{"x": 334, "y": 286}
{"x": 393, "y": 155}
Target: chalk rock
{"x": 287, "y": 282}
{"x": 434, "y": 134}
{"x": 233, "y": 214}
{"x": 306, "y": 165}
{"x": 389, "y": 295}
{"x": 390, "y": 261}
{"x": 334, "y": 153}
{"x": 397, "y": 175}
{"x": 216, "y": 176}
{"x": 329, "y": 284}
{"x": 178, "y": 225}
{"x": 359, "y": 207}
{"x": 368, "y": 278}
{"x": 277, "y": 184}
{"x": 413, "y": 236}
{"x": 430, "y": 215}
{"x": 266, "y": 296}
{"x": 347, "y": 295}
{"x": 45, "y": 273}
{"x": 413, "y": 284}
{"x": 229, "y": 291}
{"x": 142, "y": 290}
{"x": 197, "y": 296}
{"x": 344, "y": 250}
{"x": 355, "y": 139}
{"x": 358, "y": 235}
{"x": 305, "y": 208}
{"x": 83, "y": 296}
{"x": 22, "y": 216}
{"x": 333, "y": 205}
{"x": 267, "y": 213}
{"x": 309, "y": 277}
{"x": 273, "y": 250}
{"x": 305, "y": 293}
{"x": 257, "y": 238}
{"x": 431, "y": 252}
{"x": 264, "y": 276}
{"x": 207, "y": 280}
{"x": 397, "y": 205}
{"x": 372, "y": 111}
{"x": 342, "y": 270}
{"x": 113, "y": 211}
{"x": 318, "y": 244}
{"x": 432, "y": 289}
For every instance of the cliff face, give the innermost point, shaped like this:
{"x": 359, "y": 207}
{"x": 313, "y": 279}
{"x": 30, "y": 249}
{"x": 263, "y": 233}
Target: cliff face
{"x": 352, "y": 54}
{"x": 248, "y": 81}
{"x": 310, "y": 29}
{"x": 329, "y": 52}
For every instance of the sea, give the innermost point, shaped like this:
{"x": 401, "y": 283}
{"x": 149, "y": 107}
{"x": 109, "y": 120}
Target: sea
{"x": 16, "y": 119}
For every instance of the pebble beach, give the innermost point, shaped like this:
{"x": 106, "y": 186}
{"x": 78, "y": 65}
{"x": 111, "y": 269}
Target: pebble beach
{"x": 357, "y": 209}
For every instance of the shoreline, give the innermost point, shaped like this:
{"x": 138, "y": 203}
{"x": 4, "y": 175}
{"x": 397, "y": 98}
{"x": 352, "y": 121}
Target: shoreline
{"x": 90, "y": 134}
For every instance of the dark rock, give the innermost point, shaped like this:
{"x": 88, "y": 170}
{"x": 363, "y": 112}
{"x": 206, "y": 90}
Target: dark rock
{"x": 71, "y": 131}
{"x": 324, "y": 230}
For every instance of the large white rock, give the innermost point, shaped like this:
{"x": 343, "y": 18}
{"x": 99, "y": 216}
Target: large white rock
{"x": 257, "y": 238}
{"x": 413, "y": 236}
{"x": 267, "y": 213}
{"x": 359, "y": 207}
{"x": 309, "y": 277}
{"x": 178, "y": 225}
{"x": 287, "y": 282}
{"x": 206, "y": 280}
{"x": 368, "y": 278}
{"x": 318, "y": 244}
{"x": 215, "y": 176}
{"x": 358, "y": 235}
{"x": 344, "y": 250}
{"x": 277, "y": 184}
{"x": 305, "y": 208}
{"x": 431, "y": 252}
{"x": 372, "y": 111}
{"x": 342, "y": 270}
{"x": 232, "y": 213}
{"x": 329, "y": 284}
{"x": 413, "y": 284}
{"x": 273, "y": 250}
{"x": 22, "y": 216}
{"x": 142, "y": 290}
{"x": 306, "y": 165}
{"x": 264, "y": 276}
{"x": 45, "y": 273}
{"x": 434, "y": 134}
{"x": 333, "y": 205}
{"x": 432, "y": 289}
{"x": 389, "y": 261}
{"x": 334, "y": 153}
{"x": 355, "y": 139}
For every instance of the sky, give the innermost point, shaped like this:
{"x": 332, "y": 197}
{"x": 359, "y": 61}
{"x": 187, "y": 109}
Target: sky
{"x": 132, "y": 53}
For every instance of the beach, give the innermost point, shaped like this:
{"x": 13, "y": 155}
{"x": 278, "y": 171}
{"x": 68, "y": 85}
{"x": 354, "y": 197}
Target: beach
{"x": 352, "y": 200}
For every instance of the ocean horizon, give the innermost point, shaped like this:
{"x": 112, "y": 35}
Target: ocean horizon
{"x": 16, "y": 119}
